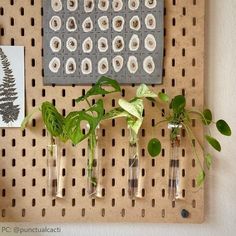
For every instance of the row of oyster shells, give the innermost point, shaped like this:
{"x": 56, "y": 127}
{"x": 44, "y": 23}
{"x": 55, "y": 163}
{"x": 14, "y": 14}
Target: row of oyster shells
{"x": 118, "y": 23}
{"x": 103, "y": 65}
{"x": 118, "y": 44}
{"x": 103, "y": 5}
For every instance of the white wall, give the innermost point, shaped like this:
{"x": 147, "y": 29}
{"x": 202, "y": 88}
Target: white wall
{"x": 221, "y": 97}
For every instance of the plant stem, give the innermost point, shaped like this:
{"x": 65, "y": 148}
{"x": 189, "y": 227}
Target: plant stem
{"x": 52, "y": 165}
{"x": 133, "y": 137}
{"x": 89, "y": 104}
{"x": 155, "y": 101}
{"x": 194, "y": 136}
{"x": 133, "y": 179}
{"x": 91, "y": 145}
{"x": 208, "y": 129}
{"x": 200, "y": 114}
{"x": 52, "y": 142}
{"x": 162, "y": 121}
{"x": 196, "y": 112}
{"x": 191, "y": 136}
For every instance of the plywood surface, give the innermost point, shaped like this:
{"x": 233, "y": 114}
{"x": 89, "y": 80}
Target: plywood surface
{"x": 23, "y": 167}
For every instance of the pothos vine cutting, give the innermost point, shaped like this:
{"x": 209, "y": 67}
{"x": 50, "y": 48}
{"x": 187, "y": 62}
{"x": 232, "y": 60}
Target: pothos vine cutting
{"x": 133, "y": 112}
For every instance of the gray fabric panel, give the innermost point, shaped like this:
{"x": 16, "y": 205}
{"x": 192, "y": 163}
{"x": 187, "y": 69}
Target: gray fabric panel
{"x": 124, "y": 76}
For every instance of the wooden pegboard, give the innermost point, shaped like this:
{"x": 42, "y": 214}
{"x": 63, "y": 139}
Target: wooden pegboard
{"x": 23, "y": 166}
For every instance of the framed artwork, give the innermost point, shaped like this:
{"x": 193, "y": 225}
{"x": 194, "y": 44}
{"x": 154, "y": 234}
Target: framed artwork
{"x": 12, "y": 92}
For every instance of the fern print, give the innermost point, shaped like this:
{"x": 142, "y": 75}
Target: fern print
{"x": 8, "y": 93}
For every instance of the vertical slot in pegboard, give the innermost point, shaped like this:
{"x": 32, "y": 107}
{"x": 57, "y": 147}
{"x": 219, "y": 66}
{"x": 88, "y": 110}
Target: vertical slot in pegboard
{"x": 23, "y": 166}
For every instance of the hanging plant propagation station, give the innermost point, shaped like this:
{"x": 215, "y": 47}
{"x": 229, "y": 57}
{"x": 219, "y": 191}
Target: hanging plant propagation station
{"x": 109, "y": 95}
{"x": 177, "y": 118}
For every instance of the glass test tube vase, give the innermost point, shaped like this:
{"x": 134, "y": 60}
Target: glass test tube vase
{"x": 174, "y": 188}
{"x": 134, "y": 167}
{"x": 54, "y": 187}
{"x": 93, "y": 166}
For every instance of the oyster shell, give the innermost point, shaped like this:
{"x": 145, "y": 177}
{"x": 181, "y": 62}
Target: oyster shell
{"x": 71, "y": 25}
{"x": 103, "y": 23}
{"x": 103, "y": 66}
{"x": 133, "y": 4}
{"x": 54, "y": 65}
{"x": 88, "y": 5}
{"x": 70, "y": 66}
{"x": 150, "y": 43}
{"x": 72, "y": 5}
{"x": 117, "y": 63}
{"x": 87, "y": 25}
{"x": 87, "y": 45}
{"x": 149, "y": 65}
{"x": 117, "y": 5}
{"x": 135, "y": 23}
{"x": 132, "y": 64}
{"x": 86, "y": 66}
{"x": 71, "y": 44}
{"x": 150, "y": 3}
{"x": 150, "y": 21}
{"x": 103, "y": 5}
{"x": 102, "y": 44}
{"x": 55, "y": 23}
{"x": 55, "y": 44}
{"x": 134, "y": 43}
{"x": 118, "y": 23}
{"x": 118, "y": 44}
{"x": 56, "y": 5}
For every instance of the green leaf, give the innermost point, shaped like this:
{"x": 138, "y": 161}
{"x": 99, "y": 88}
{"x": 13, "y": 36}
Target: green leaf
{"x": 115, "y": 113}
{"x": 135, "y": 110}
{"x": 178, "y": 103}
{"x": 132, "y": 110}
{"x": 207, "y": 117}
{"x": 154, "y": 147}
{"x": 64, "y": 136}
{"x": 134, "y": 123}
{"x": 52, "y": 119}
{"x": 28, "y": 118}
{"x": 103, "y": 86}
{"x": 208, "y": 160}
{"x": 163, "y": 97}
{"x": 135, "y": 107}
{"x": 144, "y": 91}
{"x": 200, "y": 178}
{"x": 97, "y": 111}
{"x": 213, "y": 142}
{"x": 92, "y": 117}
{"x": 151, "y": 99}
{"x": 72, "y": 125}
{"x": 223, "y": 127}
